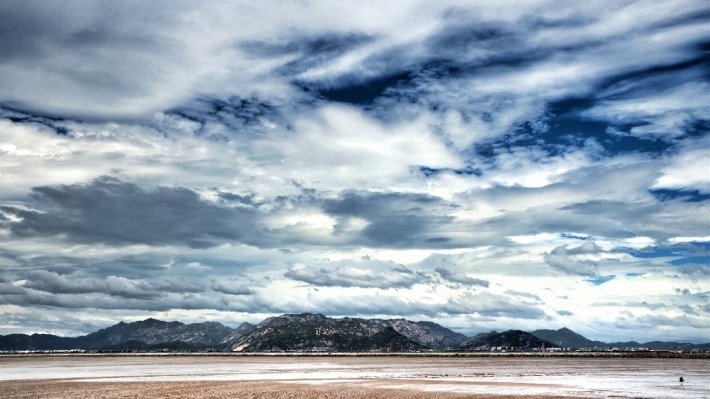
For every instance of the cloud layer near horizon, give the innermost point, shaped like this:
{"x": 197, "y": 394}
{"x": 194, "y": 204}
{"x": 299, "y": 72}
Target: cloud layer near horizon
{"x": 503, "y": 165}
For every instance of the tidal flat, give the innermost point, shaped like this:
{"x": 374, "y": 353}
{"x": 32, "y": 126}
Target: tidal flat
{"x": 350, "y": 377}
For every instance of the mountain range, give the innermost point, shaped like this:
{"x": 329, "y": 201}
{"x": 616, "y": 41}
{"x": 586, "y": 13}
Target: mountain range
{"x": 307, "y": 332}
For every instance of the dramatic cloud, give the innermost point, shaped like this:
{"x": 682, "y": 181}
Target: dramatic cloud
{"x": 116, "y": 286}
{"x": 356, "y": 276}
{"x": 395, "y": 219}
{"x": 456, "y": 277}
{"x": 485, "y": 165}
{"x": 575, "y": 261}
{"x": 231, "y": 288}
{"x": 110, "y": 211}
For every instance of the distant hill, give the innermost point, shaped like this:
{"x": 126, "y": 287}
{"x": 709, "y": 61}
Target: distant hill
{"x": 315, "y": 332}
{"x": 148, "y": 334}
{"x": 152, "y": 334}
{"x": 659, "y": 345}
{"x": 35, "y": 342}
{"x": 515, "y": 339}
{"x": 391, "y": 341}
{"x": 289, "y": 332}
{"x": 311, "y": 332}
{"x": 427, "y": 333}
{"x": 236, "y": 334}
{"x": 566, "y": 338}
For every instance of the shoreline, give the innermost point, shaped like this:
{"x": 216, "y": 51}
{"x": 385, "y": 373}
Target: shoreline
{"x": 605, "y": 354}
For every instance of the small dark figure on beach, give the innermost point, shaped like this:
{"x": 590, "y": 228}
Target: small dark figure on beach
{"x": 681, "y": 379}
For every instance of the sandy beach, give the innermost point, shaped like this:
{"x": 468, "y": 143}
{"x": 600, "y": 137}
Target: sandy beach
{"x": 307, "y": 377}
{"x": 49, "y": 389}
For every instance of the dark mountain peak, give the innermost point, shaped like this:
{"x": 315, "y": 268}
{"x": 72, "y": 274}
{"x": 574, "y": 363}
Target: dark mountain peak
{"x": 151, "y": 322}
{"x": 340, "y": 335}
{"x": 246, "y": 326}
{"x": 237, "y": 334}
{"x": 292, "y": 317}
{"x": 426, "y": 333}
{"x": 136, "y": 325}
{"x": 307, "y": 316}
{"x": 154, "y": 333}
{"x": 513, "y": 332}
{"x": 389, "y": 339}
{"x": 35, "y": 342}
{"x": 484, "y": 334}
{"x": 316, "y": 332}
{"x": 508, "y": 339}
{"x": 566, "y": 338}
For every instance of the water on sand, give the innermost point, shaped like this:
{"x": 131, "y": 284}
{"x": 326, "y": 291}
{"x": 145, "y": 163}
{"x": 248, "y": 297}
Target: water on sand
{"x": 603, "y": 378}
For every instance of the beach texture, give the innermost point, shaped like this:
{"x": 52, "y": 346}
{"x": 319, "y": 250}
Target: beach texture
{"x": 361, "y": 377}
{"x": 53, "y": 389}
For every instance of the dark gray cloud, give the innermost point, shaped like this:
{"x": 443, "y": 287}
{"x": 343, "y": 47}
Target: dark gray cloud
{"x": 110, "y": 211}
{"x": 59, "y": 125}
{"x": 232, "y": 119}
{"x": 145, "y": 266}
{"x": 357, "y": 275}
{"x": 10, "y": 289}
{"x": 564, "y": 260}
{"x": 174, "y": 285}
{"x": 231, "y": 287}
{"x": 112, "y": 285}
{"x": 461, "y": 278}
{"x": 471, "y": 40}
{"x": 620, "y": 219}
{"x": 395, "y": 219}
{"x": 481, "y": 304}
{"x": 700, "y": 269}
{"x": 647, "y": 321}
{"x": 112, "y": 59}
{"x": 523, "y": 295}
{"x": 63, "y": 323}
{"x": 127, "y": 297}
{"x": 599, "y": 218}
{"x": 19, "y": 264}
{"x": 309, "y": 52}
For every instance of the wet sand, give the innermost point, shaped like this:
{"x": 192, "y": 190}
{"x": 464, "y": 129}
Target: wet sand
{"x": 56, "y": 389}
{"x": 89, "y": 376}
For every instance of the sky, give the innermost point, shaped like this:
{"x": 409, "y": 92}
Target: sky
{"x": 483, "y": 165}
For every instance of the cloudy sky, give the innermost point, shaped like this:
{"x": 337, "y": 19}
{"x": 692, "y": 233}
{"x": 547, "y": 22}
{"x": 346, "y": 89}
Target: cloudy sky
{"x": 484, "y": 165}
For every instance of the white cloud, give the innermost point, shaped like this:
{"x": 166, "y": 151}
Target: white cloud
{"x": 340, "y": 147}
{"x": 688, "y": 170}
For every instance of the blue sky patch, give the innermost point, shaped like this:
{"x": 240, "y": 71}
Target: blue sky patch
{"x": 634, "y": 274}
{"x": 600, "y": 280}
{"x": 665, "y": 195}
